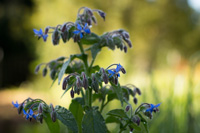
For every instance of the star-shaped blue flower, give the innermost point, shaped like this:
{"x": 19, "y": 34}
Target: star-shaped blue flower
{"x": 30, "y": 114}
{"x": 40, "y": 34}
{"x": 152, "y": 107}
{"x": 16, "y": 105}
{"x": 81, "y": 30}
{"x": 115, "y": 71}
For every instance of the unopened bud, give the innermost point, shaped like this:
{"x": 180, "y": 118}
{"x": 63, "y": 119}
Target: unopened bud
{"x": 94, "y": 19}
{"x": 104, "y": 76}
{"x": 125, "y": 49}
{"x": 127, "y": 108}
{"x": 135, "y": 100}
{"x": 125, "y": 35}
{"x": 128, "y": 42}
{"x": 72, "y": 93}
{"x": 85, "y": 81}
{"x": 138, "y": 91}
{"x": 37, "y": 68}
{"x": 44, "y": 72}
{"x": 19, "y": 109}
{"x": 53, "y": 74}
{"x": 46, "y": 30}
{"x": 136, "y": 120}
{"x": 102, "y": 14}
{"x": 89, "y": 11}
{"x": 56, "y": 37}
{"x": 116, "y": 80}
{"x": 65, "y": 81}
{"x": 78, "y": 82}
{"x": 40, "y": 118}
{"x": 53, "y": 113}
{"x": 40, "y": 108}
{"x": 123, "y": 70}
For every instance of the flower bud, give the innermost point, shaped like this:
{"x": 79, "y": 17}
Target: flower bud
{"x": 128, "y": 42}
{"x": 56, "y": 37}
{"x": 44, "y": 72}
{"x": 104, "y": 76}
{"x": 40, "y": 108}
{"x": 136, "y": 120}
{"x": 148, "y": 114}
{"x": 138, "y": 91}
{"x": 94, "y": 19}
{"x": 102, "y": 14}
{"x": 72, "y": 93}
{"x": 89, "y": 11}
{"x": 53, "y": 113}
{"x": 135, "y": 100}
{"x": 116, "y": 80}
{"x": 40, "y": 118}
{"x": 125, "y": 49}
{"x": 53, "y": 74}
{"x": 46, "y": 30}
{"x": 127, "y": 108}
{"x": 123, "y": 70}
{"x": 85, "y": 81}
{"x": 65, "y": 81}
{"x": 79, "y": 83}
{"x": 37, "y": 68}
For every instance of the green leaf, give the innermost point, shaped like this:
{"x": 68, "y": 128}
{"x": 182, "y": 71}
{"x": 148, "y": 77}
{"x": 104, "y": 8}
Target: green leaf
{"x": 118, "y": 113}
{"x": 62, "y": 71}
{"x": 77, "y": 110}
{"x": 111, "y": 97}
{"x": 134, "y": 126}
{"x": 111, "y": 119}
{"x": 93, "y": 122}
{"x": 118, "y": 91}
{"x": 67, "y": 118}
{"x": 95, "y": 50}
{"x": 53, "y": 126}
{"x": 90, "y": 39}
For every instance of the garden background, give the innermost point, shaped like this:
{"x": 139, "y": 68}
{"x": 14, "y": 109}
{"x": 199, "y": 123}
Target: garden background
{"x": 163, "y": 63}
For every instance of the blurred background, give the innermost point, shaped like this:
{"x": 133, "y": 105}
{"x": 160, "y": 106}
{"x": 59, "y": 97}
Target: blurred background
{"x": 163, "y": 63}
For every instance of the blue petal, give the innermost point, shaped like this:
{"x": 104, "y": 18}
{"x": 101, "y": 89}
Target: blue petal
{"x": 24, "y": 112}
{"x": 111, "y": 72}
{"x": 118, "y": 68}
{"x": 40, "y": 32}
{"x": 27, "y": 116}
{"x": 44, "y": 37}
{"x": 34, "y": 116}
{"x": 79, "y": 27}
{"x": 85, "y": 26}
{"x": 157, "y": 105}
{"x": 16, "y": 105}
{"x": 87, "y": 31}
{"x": 76, "y": 32}
{"x": 30, "y": 112}
{"x": 81, "y": 35}
{"x": 35, "y": 31}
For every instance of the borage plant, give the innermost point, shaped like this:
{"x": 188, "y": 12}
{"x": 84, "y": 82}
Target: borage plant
{"x": 89, "y": 81}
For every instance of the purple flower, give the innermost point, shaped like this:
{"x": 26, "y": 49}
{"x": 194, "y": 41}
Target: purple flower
{"x": 152, "y": 107}
{"x": 81, "y": 30}
{"x": 29, "y": 114}
{"x": 40, "y": 34}
{"x": 16, "y": 105}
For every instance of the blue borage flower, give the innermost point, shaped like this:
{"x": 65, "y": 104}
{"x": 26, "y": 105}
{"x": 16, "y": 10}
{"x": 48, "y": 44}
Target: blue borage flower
{"x": 40, "y": 34}
{"x": 81, "y": 30}
{"x": 152, "y": 107}
{"x": 115, "y": 71}
{"x": 16, "y": 105}
{"x": 29, "y": 114}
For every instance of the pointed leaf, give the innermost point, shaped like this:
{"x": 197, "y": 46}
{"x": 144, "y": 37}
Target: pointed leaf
{"x": 95, "y": 50}
{"x": 93, "y": 122}
{"x": 118, "y": 113}
{"x": 67, "y": 118}
{"x": 90, "y": 39}
{"x": 62, "y": 71}
{"x": 118, "y": 91}
{"x": 77, "y": 110}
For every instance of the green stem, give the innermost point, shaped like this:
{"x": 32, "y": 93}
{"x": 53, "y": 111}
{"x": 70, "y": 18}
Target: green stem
{"x": 88, "y": 99}
{"x": 102, "y": 105}
{"x": 123, "y": 127}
